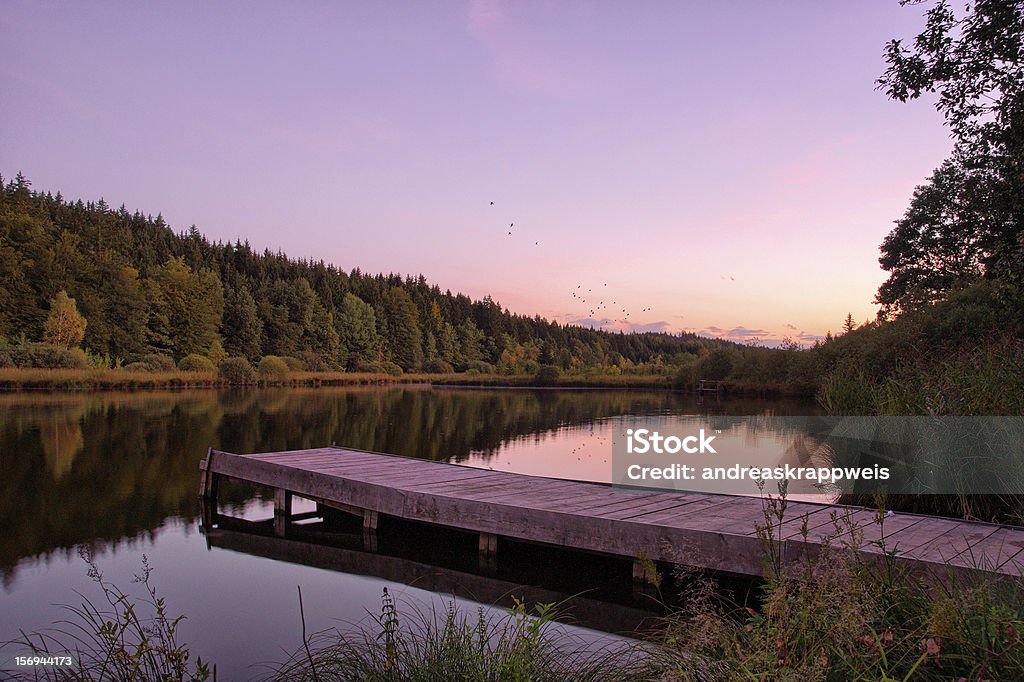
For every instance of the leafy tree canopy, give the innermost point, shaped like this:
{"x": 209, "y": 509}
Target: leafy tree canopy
{"x": 967, "y": 220}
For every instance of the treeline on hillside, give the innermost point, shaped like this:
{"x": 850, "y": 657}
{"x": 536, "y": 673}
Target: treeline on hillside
{"x": 145, "y": 291}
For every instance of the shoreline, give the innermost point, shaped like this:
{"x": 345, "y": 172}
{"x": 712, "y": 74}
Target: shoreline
{"x": 94, "y": 380}
{"x": 19, "y": 380}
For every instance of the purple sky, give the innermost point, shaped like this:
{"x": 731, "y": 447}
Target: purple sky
{"x": 728, "y": 165}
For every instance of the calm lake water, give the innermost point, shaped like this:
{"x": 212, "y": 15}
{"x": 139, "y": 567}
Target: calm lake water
{"x": 118, "y": 472}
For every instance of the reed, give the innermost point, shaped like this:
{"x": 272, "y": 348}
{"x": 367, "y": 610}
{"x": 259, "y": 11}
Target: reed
{"x": 450, "y": 644}
{"x": 847, "y": 613}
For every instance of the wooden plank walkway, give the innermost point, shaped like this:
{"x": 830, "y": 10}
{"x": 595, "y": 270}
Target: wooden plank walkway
{"x": 717, "y": 532}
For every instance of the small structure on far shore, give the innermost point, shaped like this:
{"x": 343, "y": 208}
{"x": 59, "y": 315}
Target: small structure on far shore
{"x": 709, "y": 386}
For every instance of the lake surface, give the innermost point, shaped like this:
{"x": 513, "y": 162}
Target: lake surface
{"x": 118, "y": 472}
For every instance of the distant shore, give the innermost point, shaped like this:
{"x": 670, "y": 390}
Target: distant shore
{"x": 118, "y": 379}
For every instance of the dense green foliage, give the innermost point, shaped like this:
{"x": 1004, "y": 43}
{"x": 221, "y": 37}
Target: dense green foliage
{"x": 42, "y": 355}
{"x": 142, "y": 289}
{"x": 196, "y": 363}
{"x": 967, "y": 221}
{"x": 955, "y": 295}
{"x": 272, "y": 369}
{"x": 236, "y": 371}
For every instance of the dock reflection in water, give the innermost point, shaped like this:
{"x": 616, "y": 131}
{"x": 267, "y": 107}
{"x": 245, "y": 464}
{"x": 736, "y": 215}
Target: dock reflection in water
{"x": 446, "y": 562}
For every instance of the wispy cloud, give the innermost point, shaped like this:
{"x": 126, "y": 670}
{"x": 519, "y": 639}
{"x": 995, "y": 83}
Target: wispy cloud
{"x": 611, "y": 325}
{"x": 736, "y": 333}
{"x": 659, "y": 327}
{"x": 744, "y": 333}
{"x": 588, "y": 321}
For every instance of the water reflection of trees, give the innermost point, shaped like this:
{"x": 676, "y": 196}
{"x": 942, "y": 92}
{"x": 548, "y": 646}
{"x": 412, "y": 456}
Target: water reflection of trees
{"x": 107, "y": 467}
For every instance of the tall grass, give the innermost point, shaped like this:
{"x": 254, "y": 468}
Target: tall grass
{"x": 849, "y": 612}
{"x": 452, "y": 645}
{"x": 126, "y": 638}
{"x": 986, "y": 379}
{"x": 118, "y": 638}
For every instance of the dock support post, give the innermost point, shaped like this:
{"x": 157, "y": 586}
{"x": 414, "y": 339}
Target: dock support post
{"x": 370, "y": 530}
{"x": 208, "y": 491}
{"x": 488, "y": 552}
{"x": 645, "y": 574}
{"x": 208, "y": 480}
{"x": 282, "y": 511}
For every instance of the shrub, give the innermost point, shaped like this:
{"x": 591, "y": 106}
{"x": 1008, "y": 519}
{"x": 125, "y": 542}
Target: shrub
{"x": 137, "y": 367}
{"x": 480, "y": 366}
{"x": 45, "y": 356}
{"x": 370, "y": 367}
{"x": 717, "y": 365}
{"x": 547, "y": 375}
{"x": 273, "y": 369}
{"x": 159, "y": 363}
{"x": 686, "y": 376}
{"x": 311, "y": 362}
{"x": 292, "y": 363}
{"x": 196, "y": 363}
{"x": 391, "y": 368}
{"x": 102, "y": 360}
{"x": 384, "y": 367}
{"x": 437, "y": 366}
{"x": 154, "y": 362}
{"x": 236, "y": 371}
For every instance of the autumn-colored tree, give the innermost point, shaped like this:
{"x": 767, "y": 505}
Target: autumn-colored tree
{"x": 65, "y": 326}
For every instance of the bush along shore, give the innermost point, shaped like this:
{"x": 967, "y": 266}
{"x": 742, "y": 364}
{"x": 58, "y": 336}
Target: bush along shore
{"x": 272, "y": 371}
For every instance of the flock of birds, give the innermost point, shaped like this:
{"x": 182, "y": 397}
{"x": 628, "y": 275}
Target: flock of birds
{"x": 600, "y": 305}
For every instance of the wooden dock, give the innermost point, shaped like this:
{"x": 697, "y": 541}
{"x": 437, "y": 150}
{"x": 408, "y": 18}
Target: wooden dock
{"x": 709, "y": 386}
{"x": 716, "y": 532}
